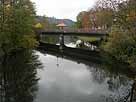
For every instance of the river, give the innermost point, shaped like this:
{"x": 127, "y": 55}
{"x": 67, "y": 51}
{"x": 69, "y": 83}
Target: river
{"x": 67, "y": 80}
{"x": 36, "y": 76}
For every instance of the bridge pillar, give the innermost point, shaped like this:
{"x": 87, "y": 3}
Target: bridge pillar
{"x": 61, "y": 39}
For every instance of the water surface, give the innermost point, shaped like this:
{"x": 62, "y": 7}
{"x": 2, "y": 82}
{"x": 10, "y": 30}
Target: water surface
{"x": 60, "y": 79}
{"x": 64, "y": 80}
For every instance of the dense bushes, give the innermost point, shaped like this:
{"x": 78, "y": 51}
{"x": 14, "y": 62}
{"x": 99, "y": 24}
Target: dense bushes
{"x": 122, "y": 39}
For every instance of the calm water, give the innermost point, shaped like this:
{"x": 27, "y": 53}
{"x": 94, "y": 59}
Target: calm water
{"x": 63, "y": 80}
{"x": 27, "y": 76}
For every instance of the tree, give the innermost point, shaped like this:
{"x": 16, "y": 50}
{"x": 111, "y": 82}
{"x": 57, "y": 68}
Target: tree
{"x": 122, "y": 40}
{"x": 96, "y": 17}
{"x": 16, "y": 26}
{"x": 101, "y": 17}
{"x": 112, "y": 4}
{"x": 79, "y": 19}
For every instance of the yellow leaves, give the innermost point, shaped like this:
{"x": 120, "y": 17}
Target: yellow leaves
{"x": 38, "y": 26}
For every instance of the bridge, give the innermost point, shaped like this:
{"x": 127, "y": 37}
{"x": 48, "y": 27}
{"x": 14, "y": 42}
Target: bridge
{"x": 76, "y": 32}
{"x": 73, "y": 32}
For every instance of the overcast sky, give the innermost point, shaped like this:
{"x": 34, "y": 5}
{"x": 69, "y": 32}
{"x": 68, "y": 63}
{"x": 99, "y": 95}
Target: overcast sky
{"x": 62, "y": 8}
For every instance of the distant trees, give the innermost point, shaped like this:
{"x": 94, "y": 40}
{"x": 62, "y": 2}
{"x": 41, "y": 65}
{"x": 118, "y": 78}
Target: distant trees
{"x": 79, "y": 20}
{"x": 16, "y": 25}
{"x": 43, "y": 23}
{"x": 83, "y": 20}
{"x": 96, "y": 18}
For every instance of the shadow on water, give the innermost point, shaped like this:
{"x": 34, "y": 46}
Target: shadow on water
{"x": 18, "y": 77}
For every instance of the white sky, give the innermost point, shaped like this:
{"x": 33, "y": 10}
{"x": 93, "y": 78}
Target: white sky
{"x": 63, "y": 9}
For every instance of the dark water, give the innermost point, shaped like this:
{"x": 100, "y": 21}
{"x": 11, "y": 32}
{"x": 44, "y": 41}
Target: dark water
{"x": 32, "y": 76}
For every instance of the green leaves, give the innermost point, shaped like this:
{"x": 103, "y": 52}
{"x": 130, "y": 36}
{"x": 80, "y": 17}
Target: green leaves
{"x": 16, "y": 23}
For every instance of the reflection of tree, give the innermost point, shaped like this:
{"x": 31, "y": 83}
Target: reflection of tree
{"x": 112, "y": 77}
{"x": 119, "y": 85}
{"x": 98, "y": 75}
{"x": 18, "y": 81}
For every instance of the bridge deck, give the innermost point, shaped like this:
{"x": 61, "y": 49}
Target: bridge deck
{"x": 91, "y": 34}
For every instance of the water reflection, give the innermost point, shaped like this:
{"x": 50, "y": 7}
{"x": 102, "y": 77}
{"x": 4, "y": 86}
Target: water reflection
{"x": 18, "y": 80}
{"x": 118, "y": 85}
{"x": 64, "y": 80}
